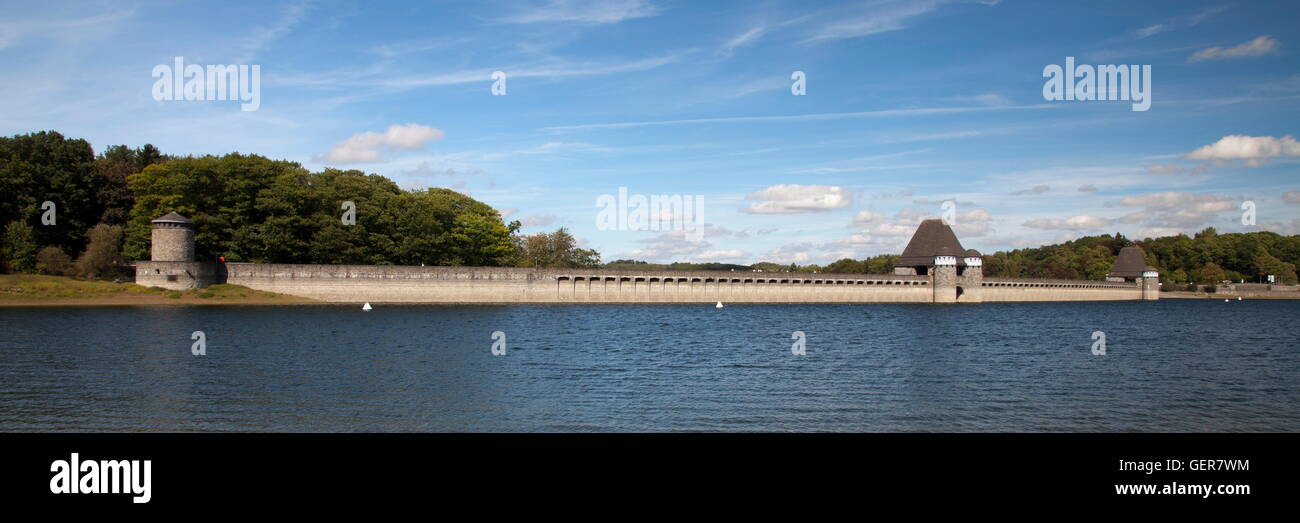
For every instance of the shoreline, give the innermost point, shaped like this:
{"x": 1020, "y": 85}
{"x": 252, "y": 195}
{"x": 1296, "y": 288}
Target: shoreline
{"x": 1184, "y": 295}
{"x": 117, "y": 301}
{"x": 28, "y": 290}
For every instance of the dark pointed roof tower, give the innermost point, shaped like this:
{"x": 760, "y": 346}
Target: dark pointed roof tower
{"x": 1129, "y": 264}
{"x": 932, "y": 238}
{"x": 172, "y": 217}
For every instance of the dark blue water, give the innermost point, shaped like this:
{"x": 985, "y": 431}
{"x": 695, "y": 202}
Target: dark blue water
{"x": 1174, "y": 365}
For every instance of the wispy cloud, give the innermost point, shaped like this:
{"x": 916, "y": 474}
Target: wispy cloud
{"x": 741, "y": 40}
{"x": 1178, "y": 22}
{"x": 14, "y": 31}
{"x": 884, "y": 113}
{"x": 262, "y": 36}
{"x": 1258, "y": 47}
{"x": 583, "y": 11}
{"x": 878, "y": 17}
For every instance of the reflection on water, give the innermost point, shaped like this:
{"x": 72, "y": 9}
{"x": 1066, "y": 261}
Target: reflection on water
{"x": 1173, "y": 365}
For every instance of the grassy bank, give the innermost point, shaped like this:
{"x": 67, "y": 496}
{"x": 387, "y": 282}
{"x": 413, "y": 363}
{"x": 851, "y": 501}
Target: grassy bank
{"x": 1229, "y": 295}
{"x": 30, "y": 289}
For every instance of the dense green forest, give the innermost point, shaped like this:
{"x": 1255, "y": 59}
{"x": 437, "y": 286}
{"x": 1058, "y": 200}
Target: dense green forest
{"x": 251, "y": 208}
{"x": 247, "y": 208}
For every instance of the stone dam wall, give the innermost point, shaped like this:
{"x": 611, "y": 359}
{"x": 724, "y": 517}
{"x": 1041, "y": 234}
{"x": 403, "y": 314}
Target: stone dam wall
{"x": 408, "y": 284}
{"x": 1018, "y": 289}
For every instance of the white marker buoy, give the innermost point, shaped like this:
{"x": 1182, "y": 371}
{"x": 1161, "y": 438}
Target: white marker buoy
{"x": 1238, "y": 298}
{"x": 1225, "y": 300}
{"x": 718, "y": 306}
{"x": 366, "y": 307}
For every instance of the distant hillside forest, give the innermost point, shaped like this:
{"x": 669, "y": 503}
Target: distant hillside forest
{"x": 1207, "y": 258}
{"x": 249, "y": 208}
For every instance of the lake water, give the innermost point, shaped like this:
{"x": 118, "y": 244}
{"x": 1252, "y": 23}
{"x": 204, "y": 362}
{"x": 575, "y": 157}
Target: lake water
{"x": 1172, "y": 365}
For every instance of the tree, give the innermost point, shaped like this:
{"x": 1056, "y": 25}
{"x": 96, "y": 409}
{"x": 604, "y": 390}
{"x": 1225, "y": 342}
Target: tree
{"x": 847, "y": 266}
{"x": 1212, "y": 274}
{"x": 558, "y": 249}
{"x": 1266, "y": 264}
{"x": 112, "y": 167}
{"x": 230, "y": 201}
{"x": 45, "y": 166}
{"x": 19, "y": 247}
{"x": 880, "y": 264}
{"x": 53, "y": 261}
{"x": 103, "y": 252}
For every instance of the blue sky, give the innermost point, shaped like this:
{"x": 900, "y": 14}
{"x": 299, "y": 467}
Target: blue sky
{"x": 907, "y": 104}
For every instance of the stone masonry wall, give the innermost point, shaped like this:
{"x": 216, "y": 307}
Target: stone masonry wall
{"x": 398, "y": 284}
{"x": 378, "y": 284}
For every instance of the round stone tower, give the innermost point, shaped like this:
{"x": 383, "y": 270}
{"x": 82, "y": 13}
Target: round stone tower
{"x": 944, "y": 279}
{"x": 1150, "y": 283}
{"x": 173, "y": 239}
{"x": 970, "y": 282}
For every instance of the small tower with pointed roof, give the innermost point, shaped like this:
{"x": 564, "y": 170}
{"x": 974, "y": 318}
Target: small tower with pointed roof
{"x": 934, "y": 251}
{"x": 172, "y": 239}
{"x": 171, "y": 262}
{"x": 1131, "y": 266}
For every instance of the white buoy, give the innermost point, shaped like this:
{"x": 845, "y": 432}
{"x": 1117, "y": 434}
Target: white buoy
{"x": 366, "y": 307}
{"x": 1238, "y": 298}
{"x": 718, "y": 306}
{"x": 1225, "y": 300}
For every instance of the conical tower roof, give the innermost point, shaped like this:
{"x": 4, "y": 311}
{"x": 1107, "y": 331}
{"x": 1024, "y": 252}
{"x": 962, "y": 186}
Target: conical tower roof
{"x": 1130, "y": 263}
{"x": 172, "y": 217}
{"x": 932, "y": 238}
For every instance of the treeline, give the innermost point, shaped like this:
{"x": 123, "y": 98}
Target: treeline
{"x": 88, "y": 203}
{"x": 1206, "y": 258}
{"x": 675, "y": 266}
{"x": 246, "y": 208}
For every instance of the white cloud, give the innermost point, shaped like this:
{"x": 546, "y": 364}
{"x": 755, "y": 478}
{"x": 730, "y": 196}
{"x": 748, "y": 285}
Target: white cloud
{"x": 793, "y": 198}
{"x": 893, "y": 229}
{"x": 719, "y": 255}
{"x": 537, "y": 221}
{"x": 912, "y": 217}
{"x": 371, "y": 146}
{"x": 1260, "y": 46}
{"x": 1073, "y": 223}
{"x": 1254, "y": 151}
{"x": 1176, "y": 210}
{"x": 1291, "y": 197}
{"x": 1158, "y": 232}
{"x": 971, "y": 229}
{"x": 584, "y": 11}
{"x": 793, "y": 253}
{"x": 974, "y": 215}
{"x": 867, "y": 217}
{"x": 1175, "y": 200}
